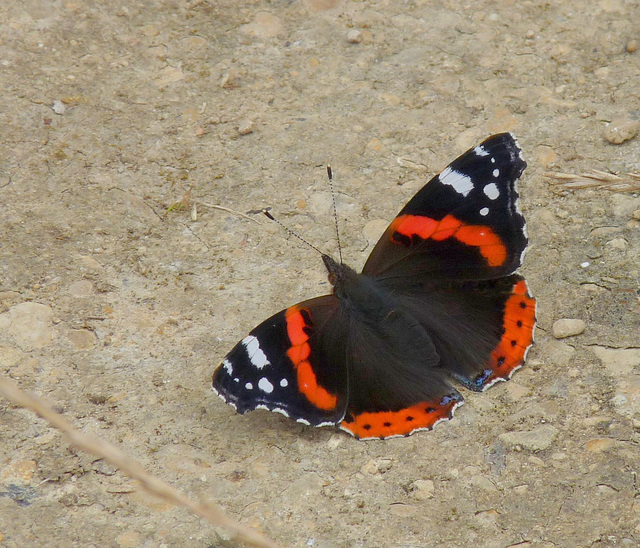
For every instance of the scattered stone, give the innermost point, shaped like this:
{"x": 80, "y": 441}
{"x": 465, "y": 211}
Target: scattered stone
{"x": 29, "y": 324}
{"x": 617, "y": 243}
{"x": 618, "y": 361}
{"x": 83, "y": 288}
{"x": 246, "y": 127}
{"x": 620, "y": 130}
{"x": 422, "y": 489}
{"x": 18, "y": 472}
{"x": 538, "y": 439}
{"x": 568, "y": 327}
{"x": 82, "y": 339}
{"x": 59, "y": 107}
{"x": 632, "y": 46}
{"x": 264, "y": 25}
{"x": 598, "y": 445}
{"x": 546, "y": 155}
{"x": 521, "y": 489}
{"x": 483, "y": 483}
{"x": 377, "y": 466}
{"x": 636, "y": 215}
{"x": 354, "y": 36}
{"x": 230, "y": 78}
{"x": 334, "y": 441}
{"x": 10, "y": 357}
{"x": 169, "y": 75}
{"x": 403, "y": 510}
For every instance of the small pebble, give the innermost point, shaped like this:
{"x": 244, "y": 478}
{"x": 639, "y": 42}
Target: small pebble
{"x": 18, "y": 472}
{"x": 264, "y": 25}
{"x": 403, "y": 510}
{"x": 632, "y": 46}
{"x": 58, "y": 107}
{"x": 377, "y": 466}
{"x": 423, "y": 489}
{"x": 82, "y": 288}
{"x": 538, "y": 439}
{"x": 620, "y": 130}
{"x": 29, "y": 324}
{"x": 568, "y": 327}
{"x": 230, "y": 79}
{"x": 354, "y": 36}
{"x": 599, "y": 444}
{"x": 246, "y": 127}
{"x": 618, "y": 243}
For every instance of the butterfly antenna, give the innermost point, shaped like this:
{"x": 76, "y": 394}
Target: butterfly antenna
{"x": 335, "y": 210}
{"x": 291, "y": 232}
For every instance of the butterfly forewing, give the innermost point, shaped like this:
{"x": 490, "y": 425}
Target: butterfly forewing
{"x": 464, "y": 224}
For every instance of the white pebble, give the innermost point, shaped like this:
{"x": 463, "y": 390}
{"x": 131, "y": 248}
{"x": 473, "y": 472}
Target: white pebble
{"x": 568, "y": 327}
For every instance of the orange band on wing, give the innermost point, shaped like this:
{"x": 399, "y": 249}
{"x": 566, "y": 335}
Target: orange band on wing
{"x": 486, "y": 240}
{"x": 519, "y": 322}
{"x": 308, "y": 385}
{"x": 384, "y": 424}
{"x": 299, "y": 353}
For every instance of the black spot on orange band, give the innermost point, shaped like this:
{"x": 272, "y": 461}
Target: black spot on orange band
{"x": 383, "y": 424}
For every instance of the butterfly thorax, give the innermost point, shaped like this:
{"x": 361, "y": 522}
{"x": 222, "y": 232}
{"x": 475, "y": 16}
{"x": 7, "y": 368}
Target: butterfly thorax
{"x": 361, "y": 296}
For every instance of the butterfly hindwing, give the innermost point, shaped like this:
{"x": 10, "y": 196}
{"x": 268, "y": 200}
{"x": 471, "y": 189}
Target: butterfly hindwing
{"x": 463, "y": 225}
{"x": 481, "y": 330}
{"x": 291, "y": 363}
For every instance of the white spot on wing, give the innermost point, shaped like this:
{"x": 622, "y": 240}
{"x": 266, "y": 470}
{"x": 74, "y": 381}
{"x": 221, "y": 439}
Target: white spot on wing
{"x": 480, "y": 151}
{"x": 484, "y": 211}
{"x": 255, "y": 353}
{"x": 284, "y": 383}
{"x": 265, "y": 385}
{"x": 228, "y": 367}
{"x": 460, "y": 182}
{"x": 249, "y": 386}
{"x": 496, "y": 172}
{"x": 491, "y": 190}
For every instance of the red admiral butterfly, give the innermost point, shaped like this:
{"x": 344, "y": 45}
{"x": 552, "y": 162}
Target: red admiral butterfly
{"x": 437, "y": 299}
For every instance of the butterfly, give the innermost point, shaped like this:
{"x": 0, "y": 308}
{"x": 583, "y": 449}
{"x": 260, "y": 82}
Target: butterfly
{"x": 438, "y": 300}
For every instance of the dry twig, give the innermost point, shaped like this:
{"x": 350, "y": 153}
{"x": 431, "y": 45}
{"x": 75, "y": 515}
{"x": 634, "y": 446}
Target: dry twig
{"x": 629, "y": 182}
{"x": 105, "y": 450}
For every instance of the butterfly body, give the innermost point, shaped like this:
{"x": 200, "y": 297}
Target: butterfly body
{"x": 437, "y": 300}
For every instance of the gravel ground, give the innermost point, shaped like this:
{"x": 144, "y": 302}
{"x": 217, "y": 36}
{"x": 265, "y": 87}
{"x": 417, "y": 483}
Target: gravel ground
{"x": 122, "y": 287}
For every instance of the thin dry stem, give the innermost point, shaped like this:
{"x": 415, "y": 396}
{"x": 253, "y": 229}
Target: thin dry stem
{"x": 105, "y": 450}
{"x": 222, "y": 208}
{"x": 628, "y": 182}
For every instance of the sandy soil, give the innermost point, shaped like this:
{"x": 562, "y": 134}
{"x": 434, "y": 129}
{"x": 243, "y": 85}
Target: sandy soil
{"x": 118, "y": 312}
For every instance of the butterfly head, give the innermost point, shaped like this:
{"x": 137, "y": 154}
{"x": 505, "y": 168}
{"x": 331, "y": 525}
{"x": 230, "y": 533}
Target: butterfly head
{"x": 339, "y": 273}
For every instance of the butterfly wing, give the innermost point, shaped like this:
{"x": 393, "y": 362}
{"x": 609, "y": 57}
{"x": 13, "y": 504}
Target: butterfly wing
{"x": 481, "y": 330}
{"x": 464, "y": 224}
{"x": 293, "y": 363}
{"x": 449, "y": 258}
